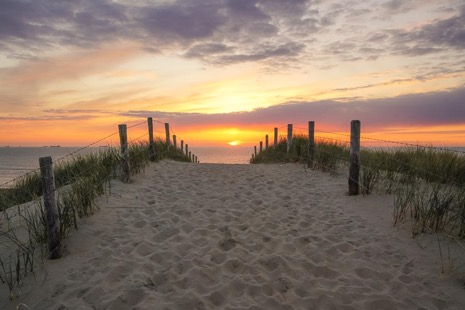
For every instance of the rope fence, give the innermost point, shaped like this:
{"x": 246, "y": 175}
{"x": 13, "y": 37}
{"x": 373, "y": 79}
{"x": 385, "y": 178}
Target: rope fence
{"x": 427, "y": 181}
{"x": 345, "y": 141}
{"x": 81, "y": 181}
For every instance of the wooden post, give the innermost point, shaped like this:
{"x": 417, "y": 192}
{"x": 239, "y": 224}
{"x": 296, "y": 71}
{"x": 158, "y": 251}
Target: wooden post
{"x": 261, "y": 146}
{"x": 174, "y": 142}
{"x": 167, "y": 131}
{"x": 253, "y": 157}
{"x": 275, "y": 137}
{"x": 255, "y": 150}
{"x": 354, "y": 170}
{"x": 151, "y": 143}
{"x": 187, "y": 149}
{"x": 123, "y": 138}
{"x": 266, "y": 142}
{"x": 51, "y": 209}
{"x": 190, "y": 156}
{"x": 289, "y": 138}
{"x": 311, "y": 143}
{"x": 182, "y": 146}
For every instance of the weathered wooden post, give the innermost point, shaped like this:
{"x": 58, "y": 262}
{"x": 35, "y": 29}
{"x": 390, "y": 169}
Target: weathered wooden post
{"x": 289, "y": 138}
{"x": 190, "y": 156}
{"x": 275, "y": 137}
{"x": 182, "y": 146}
{"x": 51, "y": 209}
{"x": 123, "y": 138}
{"x": 354, "y": 170}
{"x": 255, "y": 150}
{"x": 261, "y": 146}
{"x": 311, "y": 143}
{"x": 167, "y": 131}
{"x": 187, "y": 149}
{"x": 151, "y": 143}
{"x": 175, "y": 142}
{"x": 266, "y": 142}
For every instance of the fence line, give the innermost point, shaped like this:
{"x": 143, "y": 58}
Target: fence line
{"x": 21, "y": 250}
{"x": 71, "y": 154}
{"x": 320, "y": 137}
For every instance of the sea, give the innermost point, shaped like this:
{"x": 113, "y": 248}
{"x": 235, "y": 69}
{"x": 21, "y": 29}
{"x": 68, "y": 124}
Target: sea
{"x": 17, "y": 161}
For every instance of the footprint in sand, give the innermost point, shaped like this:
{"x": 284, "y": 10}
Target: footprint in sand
{"x": 227, "y": 244}
{"x": 234, "y": 266}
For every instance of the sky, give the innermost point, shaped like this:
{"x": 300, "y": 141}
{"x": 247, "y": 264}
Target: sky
{"x": 231, "y": 70}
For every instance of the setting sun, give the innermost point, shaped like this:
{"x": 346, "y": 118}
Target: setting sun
{"x": 234, "y": 143}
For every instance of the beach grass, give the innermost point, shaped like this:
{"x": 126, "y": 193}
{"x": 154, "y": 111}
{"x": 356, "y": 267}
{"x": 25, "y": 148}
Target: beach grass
{"x": 428, "y": 183}
{"x": 79, "y": 181}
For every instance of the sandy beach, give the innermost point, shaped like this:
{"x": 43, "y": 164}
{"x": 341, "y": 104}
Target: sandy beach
{"x": 213, "y": 236}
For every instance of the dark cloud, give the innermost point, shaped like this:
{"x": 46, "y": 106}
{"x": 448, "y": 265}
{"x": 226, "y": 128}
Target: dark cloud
{"x": 245, "y": 9}
{"x": 188, "y": 19}
{"x": 393, "y": 5}
{"x": 200, "y": 27}
{"x": 430, "y": 109}
{"x": 207, "y": 49}
{"x": 225, "y": 31}
{"x": 284, "y": 51}
{"x": 437, "y": 36}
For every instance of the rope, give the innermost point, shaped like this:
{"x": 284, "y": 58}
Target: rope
{"x": 414, "y": 145}
{"x": 396, "y": 142}
{"x": 333, "y": 139}
{"x": 87, "y": 146}
{"x": 21, "y": 176}
{"x": 135, "y": 125}
{"x": 145, "y": 134}
{"x": 66, "y": 156}
{"x": 420, "y": 169}
{"x": 172, "y": 129}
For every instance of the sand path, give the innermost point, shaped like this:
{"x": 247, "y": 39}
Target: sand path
{"x": 186, "y": 236}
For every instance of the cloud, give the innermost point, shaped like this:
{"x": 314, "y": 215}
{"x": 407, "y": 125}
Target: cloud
{"x": 224, "y": 32}
{"x": 185, "y": 19}
{"x": 201, "y": 28}
{"x": 22, "y": 86}
{"x": 429, "y": 109}
{"x": 434, "y": 37}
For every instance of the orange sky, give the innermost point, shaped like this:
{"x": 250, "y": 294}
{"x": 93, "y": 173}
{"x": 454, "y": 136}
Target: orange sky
{"x": 219, "y": 72}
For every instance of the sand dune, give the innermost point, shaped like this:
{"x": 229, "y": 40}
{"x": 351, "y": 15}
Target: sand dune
{"x": 186, "y": 236}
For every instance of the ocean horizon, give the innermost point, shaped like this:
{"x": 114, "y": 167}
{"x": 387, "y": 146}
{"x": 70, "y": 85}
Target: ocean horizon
{"x": 18, "y": 161}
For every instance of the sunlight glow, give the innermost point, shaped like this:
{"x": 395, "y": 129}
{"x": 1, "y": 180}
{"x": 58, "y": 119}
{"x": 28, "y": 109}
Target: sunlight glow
{"x": 234, "y": 143}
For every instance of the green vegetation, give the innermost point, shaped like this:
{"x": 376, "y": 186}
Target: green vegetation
{"x": 79, "y": 180}
{"x": 328, "y": 156}
{"x": 428, "y": 184}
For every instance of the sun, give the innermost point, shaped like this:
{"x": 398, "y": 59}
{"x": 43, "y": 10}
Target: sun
{"x": 234, "y": 143}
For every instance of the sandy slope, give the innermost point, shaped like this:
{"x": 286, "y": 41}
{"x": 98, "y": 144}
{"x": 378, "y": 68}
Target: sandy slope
{"x": 185, "y": 236}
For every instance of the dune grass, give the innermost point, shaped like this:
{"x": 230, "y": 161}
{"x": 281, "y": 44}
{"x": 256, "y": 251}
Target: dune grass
{"x": 79, "y": 181}
{"x": 428, "y": 184}
{"x": 328, "y": 156}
